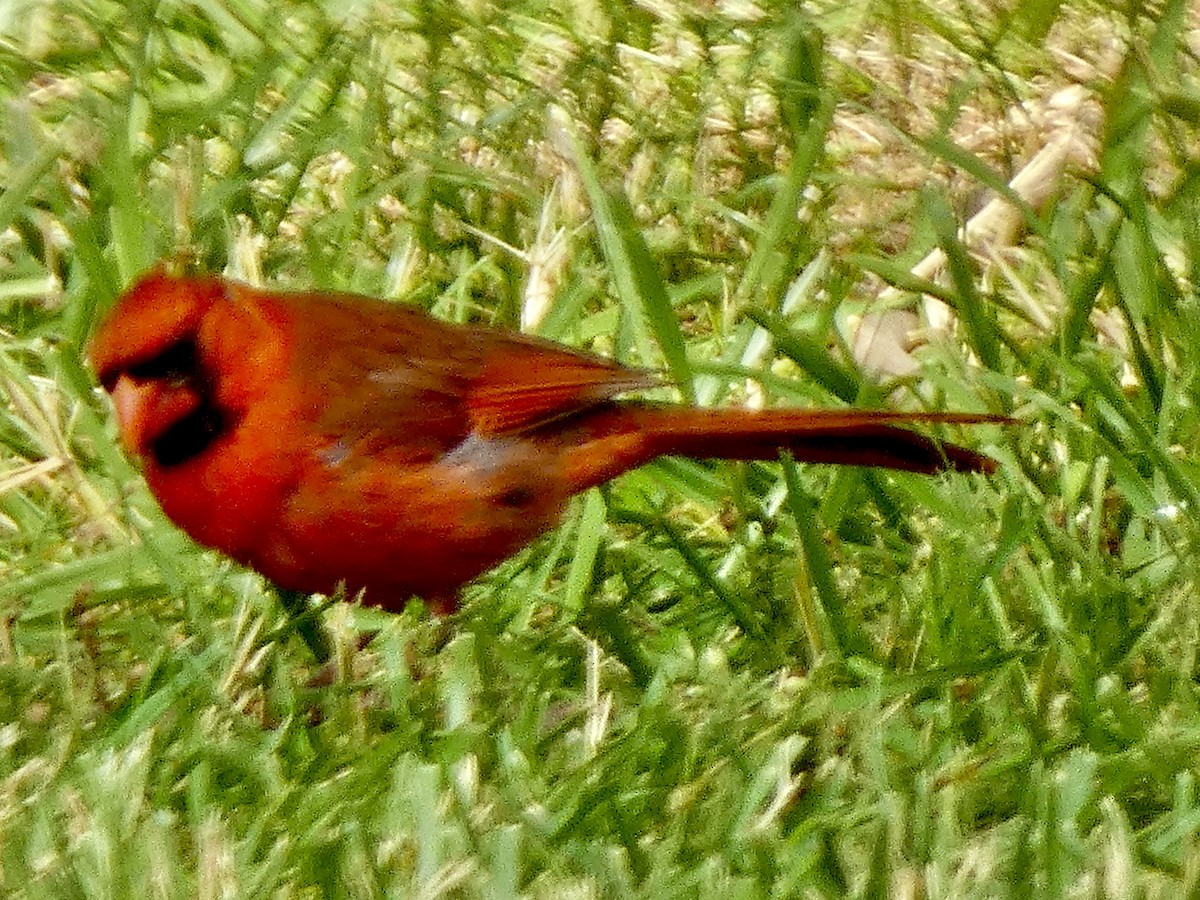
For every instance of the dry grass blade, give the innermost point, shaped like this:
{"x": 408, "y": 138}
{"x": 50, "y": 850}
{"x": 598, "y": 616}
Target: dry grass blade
{"x": 883, "y": 342}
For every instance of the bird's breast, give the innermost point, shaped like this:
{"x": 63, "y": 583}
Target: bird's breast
{"x": 400, "y": 528}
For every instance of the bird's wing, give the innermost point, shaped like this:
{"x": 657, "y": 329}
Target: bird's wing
{"x": 525, "y": 382}
{"x": 391, "y": 373}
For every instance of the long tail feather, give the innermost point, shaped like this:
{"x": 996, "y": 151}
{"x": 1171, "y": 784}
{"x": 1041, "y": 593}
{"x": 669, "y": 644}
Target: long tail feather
{"x": 620, "y": 437}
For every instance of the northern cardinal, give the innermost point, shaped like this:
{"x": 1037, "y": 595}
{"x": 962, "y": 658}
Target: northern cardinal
{"x": 325, "y": 438}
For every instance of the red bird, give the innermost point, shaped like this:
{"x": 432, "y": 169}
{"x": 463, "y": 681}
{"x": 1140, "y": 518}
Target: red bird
{"x": 325, "y": 438}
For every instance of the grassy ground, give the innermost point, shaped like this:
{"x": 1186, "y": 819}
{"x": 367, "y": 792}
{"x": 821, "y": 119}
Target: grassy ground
{"x": 752, "y": 680}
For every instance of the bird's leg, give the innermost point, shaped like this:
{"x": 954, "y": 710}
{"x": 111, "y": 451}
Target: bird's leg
{"x": 305, "y": 619}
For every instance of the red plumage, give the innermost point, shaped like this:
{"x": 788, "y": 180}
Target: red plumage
{"x": 325, "y": 438}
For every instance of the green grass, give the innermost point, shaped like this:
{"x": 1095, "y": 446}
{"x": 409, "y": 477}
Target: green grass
{"x": 714, "y": 679}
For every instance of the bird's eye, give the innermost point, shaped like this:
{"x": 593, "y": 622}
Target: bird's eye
{"x": 178, "y": 364}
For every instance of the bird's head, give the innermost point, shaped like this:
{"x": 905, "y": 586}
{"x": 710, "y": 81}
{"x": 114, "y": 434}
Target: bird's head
{"x": 147, "y": 355}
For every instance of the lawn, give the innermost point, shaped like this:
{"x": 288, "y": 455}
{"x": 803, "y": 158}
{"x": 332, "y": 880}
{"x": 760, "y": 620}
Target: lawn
{"x": 715, "y": 679}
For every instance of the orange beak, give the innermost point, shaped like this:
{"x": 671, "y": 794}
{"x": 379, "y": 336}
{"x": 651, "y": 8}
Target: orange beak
{"x": 146, "y": 409}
